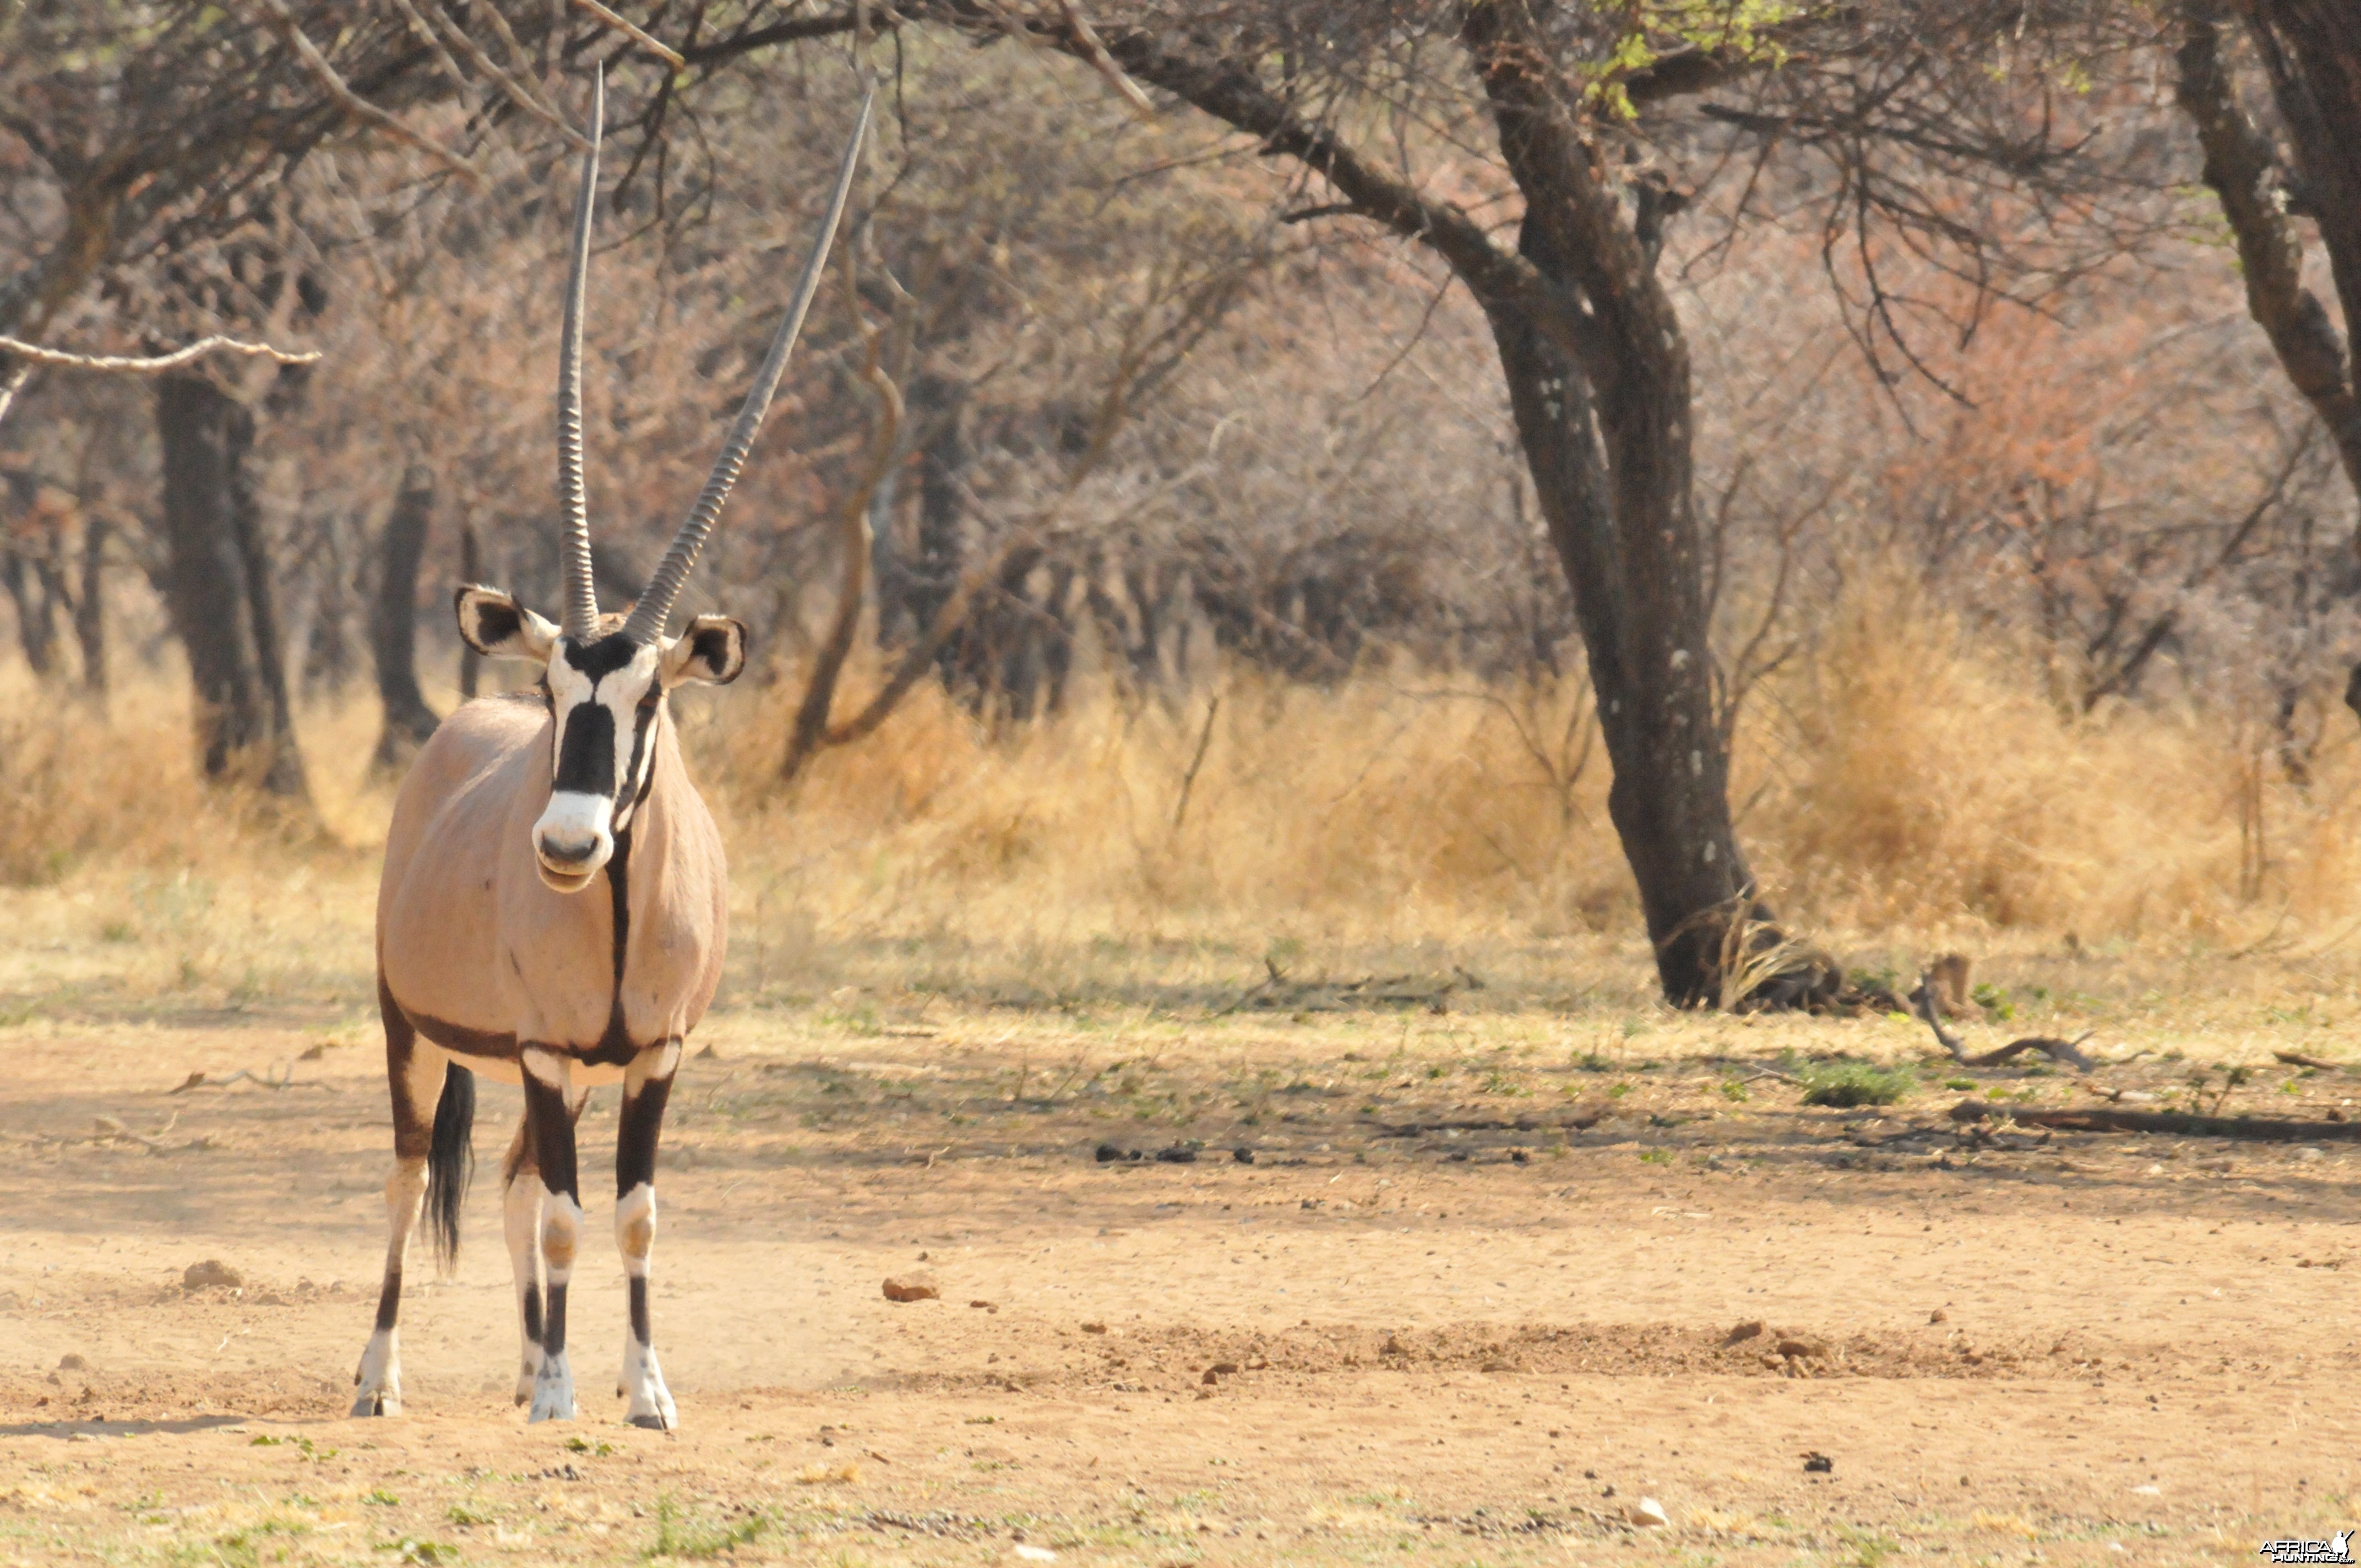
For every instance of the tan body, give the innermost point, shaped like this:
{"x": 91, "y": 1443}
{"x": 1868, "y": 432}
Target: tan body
{"x": 485, "y": 958}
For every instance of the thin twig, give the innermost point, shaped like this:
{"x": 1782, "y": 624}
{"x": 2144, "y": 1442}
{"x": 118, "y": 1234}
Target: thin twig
{"x": 669, "y": 55}
{"x": 424, "y": 32}
{"x": 142, "y": 365}
{"x": 1088, "y": 36}
{"x": 1189, "y": 779}
{"x": 12, "y": 384}
{"x": 515, "y": 90}
{"x": 358, "y": 107}
{"x": 518, "y": 61}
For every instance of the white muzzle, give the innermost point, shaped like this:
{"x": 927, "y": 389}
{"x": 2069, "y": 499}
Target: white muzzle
{"x": 573, "y": 839}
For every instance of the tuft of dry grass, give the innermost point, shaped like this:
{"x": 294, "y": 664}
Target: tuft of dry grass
{"x": 1902, "y": 784}
{"x": 1911, "y": 779}
{"x": 1380, "y": 811}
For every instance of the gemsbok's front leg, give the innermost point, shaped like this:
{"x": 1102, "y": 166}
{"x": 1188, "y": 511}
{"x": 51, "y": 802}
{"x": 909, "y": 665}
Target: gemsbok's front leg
{"x": 549, "y": 1123}
{"x": 521, "y": 1222}
{"x": 647, "y": 1084}
{"x": 414, "y": 1075}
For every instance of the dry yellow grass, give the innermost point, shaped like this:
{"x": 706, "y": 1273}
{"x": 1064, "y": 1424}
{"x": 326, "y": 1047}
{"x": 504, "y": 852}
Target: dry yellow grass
{"x": 1901, "y": 786}
{"x": 1912, "y": 781}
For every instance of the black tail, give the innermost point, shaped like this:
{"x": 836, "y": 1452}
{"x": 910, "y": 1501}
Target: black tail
{"x": 451, "y": 1163}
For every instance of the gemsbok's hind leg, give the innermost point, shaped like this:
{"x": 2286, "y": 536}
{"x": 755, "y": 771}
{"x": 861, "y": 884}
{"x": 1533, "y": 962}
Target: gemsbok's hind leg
{"x": 550, "y": 1106}
{"x": 521, "y": 1218}
{"x": 647, "y": 1083}
{"x": 414, "y": 1072}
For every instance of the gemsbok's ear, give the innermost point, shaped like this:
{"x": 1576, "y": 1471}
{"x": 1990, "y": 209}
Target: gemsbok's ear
{"x": 713, "y": 651}
{"x": 498, "y": 627}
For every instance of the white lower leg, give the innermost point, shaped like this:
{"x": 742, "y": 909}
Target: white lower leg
{"x": 561, "y": 1236}
{"x": 379, "y": 1378}
{"x": 377, "y": 1382}
{"x": 643, "y": 1384}
{"x": 520, "y": 1218}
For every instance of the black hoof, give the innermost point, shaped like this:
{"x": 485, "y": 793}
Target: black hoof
{"x": 650, "y": 1423}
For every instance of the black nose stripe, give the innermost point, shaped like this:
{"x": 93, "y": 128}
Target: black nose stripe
{"x": 586, "y": 757}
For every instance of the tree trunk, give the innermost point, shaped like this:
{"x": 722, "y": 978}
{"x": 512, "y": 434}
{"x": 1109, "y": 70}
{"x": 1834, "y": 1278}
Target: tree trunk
{"x": 394, "y": 622}
{"x": 90, "y": 608}
{"x": 472, "y": 570}
{"x": 218, "y": 588}
{"x": 2243, "y": 168}
{"x": 1618, "y": 508}
{"x": 1668, "y": 799}
{"x": 1581, "y": 304}
{"x": 931, "y": 574}
{"x": 27, "y": 569}
{"x": 2312, "y": 50}
{"x": 35, "y": 619}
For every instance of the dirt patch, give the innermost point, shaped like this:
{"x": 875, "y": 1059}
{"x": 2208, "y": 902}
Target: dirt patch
{"x": 1808, "y": 1335}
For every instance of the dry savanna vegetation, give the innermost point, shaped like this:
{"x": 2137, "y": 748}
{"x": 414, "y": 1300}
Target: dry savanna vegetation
{"x": 1331, "y": 856}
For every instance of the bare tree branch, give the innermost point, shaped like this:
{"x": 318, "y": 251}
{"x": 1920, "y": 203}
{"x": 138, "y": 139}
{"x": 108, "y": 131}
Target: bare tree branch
{"x": 2244, "y": 173}
{"x": 1092, "y": 48}
{"x": 282, "y": 21}
{"x": 664, "y": 52}
{"x": 153, "y": 365}
{"x": 508, "y": 85}
{"x": 727, "y": 49}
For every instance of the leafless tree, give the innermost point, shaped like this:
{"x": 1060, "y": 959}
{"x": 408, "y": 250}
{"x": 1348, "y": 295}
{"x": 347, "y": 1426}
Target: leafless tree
{"x": 1556, "y": 107}
{"x": 147, "y": 149}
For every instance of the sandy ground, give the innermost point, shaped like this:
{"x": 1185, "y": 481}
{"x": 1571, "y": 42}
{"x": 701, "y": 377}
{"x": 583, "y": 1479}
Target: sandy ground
{"x": 1466, "y": 1344}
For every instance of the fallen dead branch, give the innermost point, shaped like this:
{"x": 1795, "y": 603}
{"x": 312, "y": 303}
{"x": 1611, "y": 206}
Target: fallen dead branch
{"x": 1280, "y": 992}
{"x": 2297, "y": 1058}
{"x": 2257, "y": 1129}
{"x": 2056, "y": 1049}
{"x": 110, "y": 1130}
{"x": 281, "y": 1079}
{"x": 1580, "y": 1122}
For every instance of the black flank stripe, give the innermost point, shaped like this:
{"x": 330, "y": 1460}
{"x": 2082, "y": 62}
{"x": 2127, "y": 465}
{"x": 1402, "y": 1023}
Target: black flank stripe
{"x": 614, "y": 1048}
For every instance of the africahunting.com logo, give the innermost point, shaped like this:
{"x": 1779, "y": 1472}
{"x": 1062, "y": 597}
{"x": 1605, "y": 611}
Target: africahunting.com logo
{"x": 2338, "y": 1548}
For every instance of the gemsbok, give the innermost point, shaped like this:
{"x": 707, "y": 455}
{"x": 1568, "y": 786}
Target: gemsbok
{"x": 496, "y": 953}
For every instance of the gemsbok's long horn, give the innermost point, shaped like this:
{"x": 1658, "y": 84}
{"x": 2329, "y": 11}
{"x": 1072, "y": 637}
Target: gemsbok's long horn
{"x": 581, "y": 592}
{"x": 653, "y": 609}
